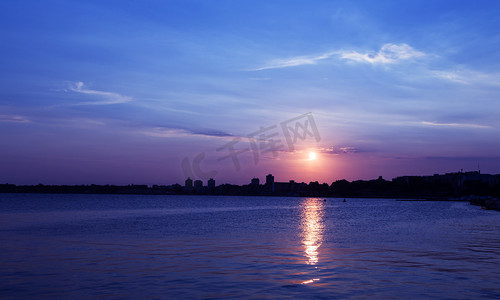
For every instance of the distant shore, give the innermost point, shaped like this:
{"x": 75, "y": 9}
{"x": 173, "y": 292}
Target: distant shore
{"x": 477, "y": 188}
{"x": 490, "y": 202}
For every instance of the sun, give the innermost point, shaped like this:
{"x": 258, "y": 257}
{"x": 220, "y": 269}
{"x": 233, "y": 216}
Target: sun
{"x": 313, "y": 156}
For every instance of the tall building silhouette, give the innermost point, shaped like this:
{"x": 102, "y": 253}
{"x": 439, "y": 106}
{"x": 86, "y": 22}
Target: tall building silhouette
{"x": 211, "y": 183}
{"x": 189, "y": 183}
{"x": 269, "y": 179}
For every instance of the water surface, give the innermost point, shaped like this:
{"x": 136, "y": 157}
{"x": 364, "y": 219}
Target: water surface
{"x": 122, "y": 246}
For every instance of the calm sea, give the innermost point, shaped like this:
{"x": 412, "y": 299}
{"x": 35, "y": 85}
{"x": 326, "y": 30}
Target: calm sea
{"x": 191, "y": 247}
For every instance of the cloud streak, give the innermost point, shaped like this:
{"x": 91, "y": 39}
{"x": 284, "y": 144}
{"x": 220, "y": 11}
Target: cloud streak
{"x": 450, "y": 76}
{"x": 468, "y": 77}
{"x": 181, "y": 132}
{"x": 388, "y": 54}
{"x": 340, "y": 150}
{"x": 13, "y": 119}
{"x": 462, "y": 125}
{"x": 296, "y": 61}
{"x": 106, "y": 98}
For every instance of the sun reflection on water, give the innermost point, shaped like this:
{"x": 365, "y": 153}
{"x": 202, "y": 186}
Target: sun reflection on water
{"x": 310, "y": 281}
{"x": 312, "y": 227}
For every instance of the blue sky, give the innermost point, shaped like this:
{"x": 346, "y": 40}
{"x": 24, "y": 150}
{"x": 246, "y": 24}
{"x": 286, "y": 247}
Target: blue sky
{"x": 121, "y": 92}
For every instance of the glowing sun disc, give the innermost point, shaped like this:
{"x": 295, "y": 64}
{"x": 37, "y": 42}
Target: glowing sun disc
{"x": 313, "y": 156}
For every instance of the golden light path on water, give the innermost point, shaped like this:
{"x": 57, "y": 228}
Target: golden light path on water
{"x": 312, "y": 226}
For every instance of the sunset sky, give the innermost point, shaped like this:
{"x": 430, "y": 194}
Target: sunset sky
{"x": 140, "y": 92}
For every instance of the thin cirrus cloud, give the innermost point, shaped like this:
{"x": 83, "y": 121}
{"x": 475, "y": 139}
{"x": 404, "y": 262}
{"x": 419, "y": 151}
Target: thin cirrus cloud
{"x": 462, "y": 125}
{"x": 105, "y": 98}
{"x": 180, "y": 132}
{"x": 388, "y": 54}
{"x": 295, "y": 61}
{"x": 451, "y": 76}
{"x": 13, "y": 119}
{"x": 340, "y": 150}
{"x": 468, "y": 77}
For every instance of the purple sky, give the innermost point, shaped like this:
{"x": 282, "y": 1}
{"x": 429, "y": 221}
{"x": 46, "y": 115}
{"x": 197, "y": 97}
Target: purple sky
{"x": 123, "y": 92}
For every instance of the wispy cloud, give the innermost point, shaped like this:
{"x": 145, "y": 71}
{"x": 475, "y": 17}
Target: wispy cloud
{"x": 388, "y": 54}
{"x": 14, "y": 119}
{"x": 106, "y": 98}
{"x": 295, "y": 61}
{"x": 466, "y": 158}
{"x": 259, "y": 78}
{"x": 181, "y": 132}
{"x": 468, "y": 77}
{"x": 340, "y": 150}
{"x": 463, "y": 125}
{"x": 451, "y": 76}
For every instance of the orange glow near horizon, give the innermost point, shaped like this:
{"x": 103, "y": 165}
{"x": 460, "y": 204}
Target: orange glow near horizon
{"x": 298, "y": 166}
{"x": 311, "y": 165}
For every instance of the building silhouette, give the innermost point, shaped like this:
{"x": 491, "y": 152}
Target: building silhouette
{"x": 269, "y": 179}
{"x": 188, "y": 183}
{"x": 198, "y": 184}
{"x": 211, "y": 184}
{"x": 255, "y": 181}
